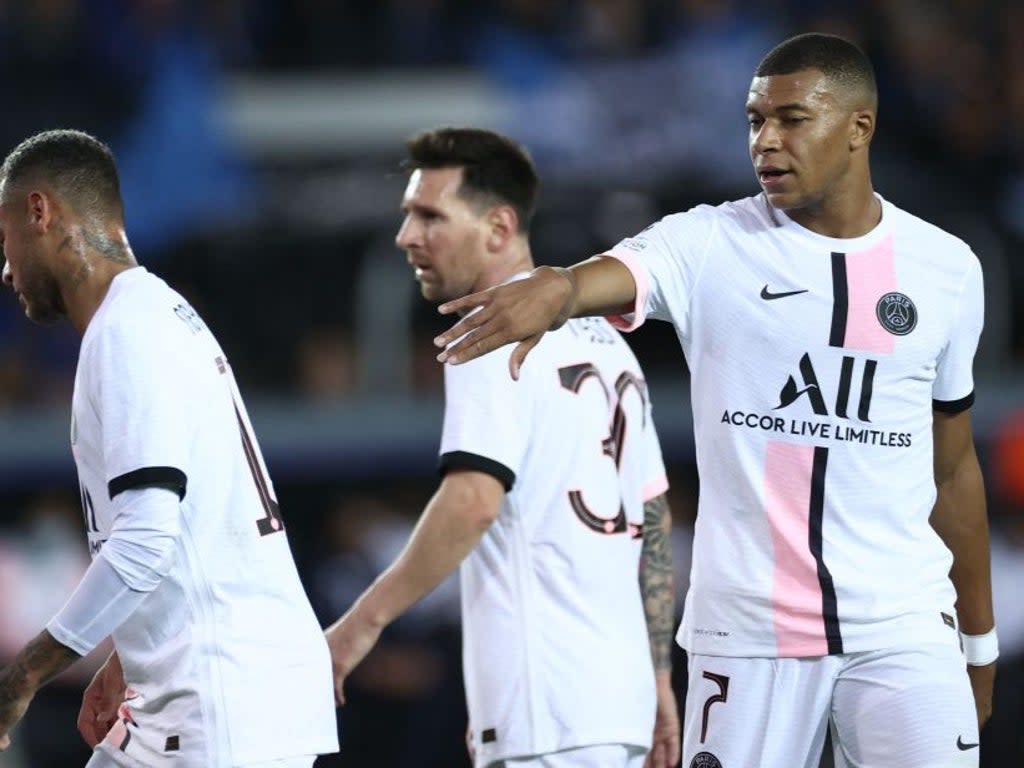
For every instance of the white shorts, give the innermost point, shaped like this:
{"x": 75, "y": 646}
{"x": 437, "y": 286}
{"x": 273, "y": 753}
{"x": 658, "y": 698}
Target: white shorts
{"x": 597, "y": 756}
{"x": 906, "y": 708}
{"x": 105, "y": 756}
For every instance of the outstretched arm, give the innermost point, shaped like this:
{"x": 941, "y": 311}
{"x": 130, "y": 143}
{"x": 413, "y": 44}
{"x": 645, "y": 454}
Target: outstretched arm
{"x": 524, "y": 310}
{"x": 960, "y": 519}
{"x": 460, "y": 512}
{"x": 657, "y": 588}
{"x": 38, "y": 663}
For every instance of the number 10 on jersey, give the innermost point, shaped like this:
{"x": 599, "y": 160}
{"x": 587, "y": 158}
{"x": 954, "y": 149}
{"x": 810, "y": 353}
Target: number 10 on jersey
{"x": 271, "y": 522}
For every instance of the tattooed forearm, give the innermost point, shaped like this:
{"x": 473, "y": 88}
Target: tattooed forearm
{"x": 38, "y": 663}
{"x": 656, "y": 580}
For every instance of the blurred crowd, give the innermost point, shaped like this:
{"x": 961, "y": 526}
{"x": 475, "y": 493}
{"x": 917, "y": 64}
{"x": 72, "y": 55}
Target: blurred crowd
{"x": 632, "y": 109}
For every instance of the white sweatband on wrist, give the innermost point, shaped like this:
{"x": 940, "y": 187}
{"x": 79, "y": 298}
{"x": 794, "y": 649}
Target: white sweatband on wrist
{"x": 101, "y": 603}
{"x": 980, "y": 650}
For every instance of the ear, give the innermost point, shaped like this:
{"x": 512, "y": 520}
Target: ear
{"x": 862, "y": 128}
{"x": 502, "y": 226}
{"x": 39, "y": 209}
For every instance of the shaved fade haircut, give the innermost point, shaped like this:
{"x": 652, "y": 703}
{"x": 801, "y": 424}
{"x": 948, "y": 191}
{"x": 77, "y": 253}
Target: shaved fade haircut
{"x": 837, "y": 58}
{"x": 78, "y": 166}
{"x": 495, "y": 169}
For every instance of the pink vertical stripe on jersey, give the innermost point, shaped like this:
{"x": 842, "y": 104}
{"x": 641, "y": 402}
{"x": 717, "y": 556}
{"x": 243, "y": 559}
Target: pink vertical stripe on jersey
{"x": 796, "y": 591}
{"x": 870, "y": 275}
{"x": 643, "y": 288}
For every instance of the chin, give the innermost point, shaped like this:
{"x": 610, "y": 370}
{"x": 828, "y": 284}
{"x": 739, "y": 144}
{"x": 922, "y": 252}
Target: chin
{"x": 42, "y": 315}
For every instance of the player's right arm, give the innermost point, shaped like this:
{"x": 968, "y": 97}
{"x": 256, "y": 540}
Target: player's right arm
{"x": 524, "y": 310}
{"x": 462, "y": 509}
{"x": 657, "y": 587}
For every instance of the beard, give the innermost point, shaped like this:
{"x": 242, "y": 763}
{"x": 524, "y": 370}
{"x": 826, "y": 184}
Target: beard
{"x": 43, "y": 301}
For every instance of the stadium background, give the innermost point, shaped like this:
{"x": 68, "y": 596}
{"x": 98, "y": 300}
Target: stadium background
{"x": 258, "y": 142}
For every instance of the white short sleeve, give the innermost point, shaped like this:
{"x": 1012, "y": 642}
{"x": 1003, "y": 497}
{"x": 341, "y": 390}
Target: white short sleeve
{"x": 487, "y": 417}
{"x": 953, "y": 390}
{"x": 141, "y": 394}
{"x": 666, "y": 260}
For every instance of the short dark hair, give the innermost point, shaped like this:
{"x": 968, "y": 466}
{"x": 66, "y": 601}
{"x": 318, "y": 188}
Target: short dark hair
{"x": 495, "y": 169}
{"x": 80, "y": 167}
{"x": 834, "y": 56}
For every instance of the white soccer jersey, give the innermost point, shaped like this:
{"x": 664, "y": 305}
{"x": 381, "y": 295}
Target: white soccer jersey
{"x": 225, "y": 661}
{"x": 555, "y": 644}
{"x": 815, "y": 364}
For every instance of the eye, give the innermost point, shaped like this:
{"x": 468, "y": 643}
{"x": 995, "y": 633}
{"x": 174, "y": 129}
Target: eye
{"x": 754, "y": 120}
{"x": 794, "y": 120}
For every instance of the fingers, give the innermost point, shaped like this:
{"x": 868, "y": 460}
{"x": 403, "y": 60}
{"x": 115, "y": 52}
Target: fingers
{"x": 479, "y": 341}
{"x": 469, "y": 328}
{"x": 515, "y": 361}
{"x": 464, "y": 304}
{"x": 5, "y": 742}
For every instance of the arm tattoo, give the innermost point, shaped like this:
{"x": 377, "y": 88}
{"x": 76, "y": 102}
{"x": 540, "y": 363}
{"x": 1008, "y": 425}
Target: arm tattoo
{"x": 657, "y": 587}
{"x": 38, "y": 663}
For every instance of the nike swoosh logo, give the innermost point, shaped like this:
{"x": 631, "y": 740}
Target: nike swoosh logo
{"x": 963, "y": 747}
{"x": 769, "y": 296}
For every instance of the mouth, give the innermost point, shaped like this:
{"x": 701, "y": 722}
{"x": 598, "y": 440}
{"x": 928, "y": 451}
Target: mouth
{"x": 770, "y": 175}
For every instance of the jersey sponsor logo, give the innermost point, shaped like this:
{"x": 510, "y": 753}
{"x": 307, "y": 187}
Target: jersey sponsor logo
{"x": 769, "y": 296}
{"x": 705, "y": 760}
{"x": 964, "y": 746}
{"x": 851, "y": 402}
{"x": 791, "y": 391}
{"x": 897, "y": 313}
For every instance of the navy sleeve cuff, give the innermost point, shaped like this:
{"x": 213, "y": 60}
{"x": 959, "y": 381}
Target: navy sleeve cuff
{"x": 466, "y": 460}
{"x": 149, "y": 477}
{"x": 953, "y": 406}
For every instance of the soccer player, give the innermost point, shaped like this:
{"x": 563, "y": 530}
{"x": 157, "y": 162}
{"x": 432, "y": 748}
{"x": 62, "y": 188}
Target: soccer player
{"x": 219, "y": 661}
{"x": 830, "y": 337}
{"x": 551, "y": 498}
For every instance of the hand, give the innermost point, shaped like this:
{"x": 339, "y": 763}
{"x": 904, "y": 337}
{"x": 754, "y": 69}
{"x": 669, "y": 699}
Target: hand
{"x": 101, "y": 700}
{"x": 469, "y": 743}
{"x": 349, "y": 640}
{"x": 522, "y": 311}
{"x": 13, "y": 704}
{"x": 666, "y": 749}
{"x": 982, "y": 681}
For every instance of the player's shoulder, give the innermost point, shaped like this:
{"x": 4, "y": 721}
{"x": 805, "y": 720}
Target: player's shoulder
{"x": 142, "y": 310}
{"x": 748, "y": 214}
{"x": 921, "y": 234}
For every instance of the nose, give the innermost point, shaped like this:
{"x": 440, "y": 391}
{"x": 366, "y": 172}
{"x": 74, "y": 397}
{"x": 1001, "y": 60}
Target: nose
{"x": 764, "y": 138}
{"x": 406, "y": 234}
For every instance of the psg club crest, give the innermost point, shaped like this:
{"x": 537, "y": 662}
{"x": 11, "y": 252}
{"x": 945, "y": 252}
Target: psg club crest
{"x": 896, "y": 313}
{"x": 705, "y": 760}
